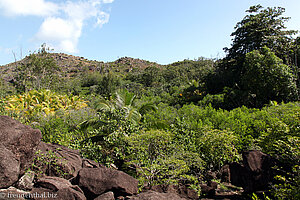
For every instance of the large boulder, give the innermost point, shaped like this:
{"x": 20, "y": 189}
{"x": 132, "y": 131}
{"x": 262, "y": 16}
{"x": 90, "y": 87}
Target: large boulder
{"x": 255, "y": 173}
{"x": 96, "y": 181}
{"x": 9, "y": 167}
{"x": 18, "y": 144}
{"x": 56, "y": 188}
{"x": 68, "y": 161}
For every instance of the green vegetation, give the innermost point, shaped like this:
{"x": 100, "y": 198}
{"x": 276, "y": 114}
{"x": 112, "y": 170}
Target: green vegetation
{"x": 33, "y": 103}
{"x": 175, "y": 123}
{"x": 45, "y": 164}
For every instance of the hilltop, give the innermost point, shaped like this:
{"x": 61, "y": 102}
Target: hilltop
{"x": 71, "y": 65}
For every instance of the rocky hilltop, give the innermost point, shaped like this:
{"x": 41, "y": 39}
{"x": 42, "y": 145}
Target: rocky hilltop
{"x": 71, "y": 65}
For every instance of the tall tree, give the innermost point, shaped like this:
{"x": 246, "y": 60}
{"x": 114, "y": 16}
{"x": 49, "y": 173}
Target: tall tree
{"x": 261, "y": 27}
{"x": 267, "y": 78}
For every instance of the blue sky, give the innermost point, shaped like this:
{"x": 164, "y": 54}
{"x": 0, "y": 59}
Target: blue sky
{"x": 162, "y": 31}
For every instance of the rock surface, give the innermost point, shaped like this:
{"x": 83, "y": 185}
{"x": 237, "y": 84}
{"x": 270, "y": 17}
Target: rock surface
{"x": 180, "y": 190}
{"x": 18, "y": 145}
{"x": 152, "y": 195}
{"x": 58, "y": 188}
{"x": 86, "y": 163}
{"x": 9, "y": 168}
{"x": 26, "y": 181}
{"x": 106, "y": 196}
{"x": 68, "y": 160}
{"x": 96, "y": 181}
{"x": 254, "y": 174}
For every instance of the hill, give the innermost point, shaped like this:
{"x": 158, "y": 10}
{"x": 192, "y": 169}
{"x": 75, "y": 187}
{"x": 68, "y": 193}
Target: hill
{"x": 71, "y": 65}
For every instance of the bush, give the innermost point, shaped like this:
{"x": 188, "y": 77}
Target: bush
{"x": 216, "y": 101}
{"x": 30, "y": 104}
{"x": 63, "y": 127}
{"x": 159, "y": 160}
{"x": 217, "y": 148}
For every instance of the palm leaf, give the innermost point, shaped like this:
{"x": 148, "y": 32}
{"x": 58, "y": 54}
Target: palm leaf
{"x": 133, "y": 115}
{"x": 124, "y": 98}
{"x": 147, "y": 107}
{"x": 104, "y": 105}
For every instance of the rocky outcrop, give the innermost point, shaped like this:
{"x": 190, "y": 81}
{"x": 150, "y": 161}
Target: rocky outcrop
{"x": 18, "y": 144}
{"x": 58, "y": 188}
{"x": 254, "y": 174}
{"x": 67, "y": 160}
{"x": 96, "y": 181}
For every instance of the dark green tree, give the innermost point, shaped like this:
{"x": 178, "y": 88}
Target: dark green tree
{"x": 261, "y": 27}
{"x": 267, "y": 78}
{"x": 151, "y": 76}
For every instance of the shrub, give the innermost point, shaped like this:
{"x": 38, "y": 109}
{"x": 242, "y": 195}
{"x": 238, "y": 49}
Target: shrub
{"x": 217, "y": 147}
{"x": 216, "y": 101}
{"x": 32, "y": 103}
{"x": 159, "y": 160}
{"x": 63, "y": 127}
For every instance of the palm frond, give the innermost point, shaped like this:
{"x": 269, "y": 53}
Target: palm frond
{"x": 147, "y": 107}
{"x": 104, "y": 105}
{"x": 133, "y": 115}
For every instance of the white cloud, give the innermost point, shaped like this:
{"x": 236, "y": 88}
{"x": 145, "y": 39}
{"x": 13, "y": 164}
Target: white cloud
{"x": 108, "y": 1}
{"x": 28, "y": 7}
{"x": 102, "y": 18}
{"x": 63, "y": 22}
{"x": 63, "y": 33}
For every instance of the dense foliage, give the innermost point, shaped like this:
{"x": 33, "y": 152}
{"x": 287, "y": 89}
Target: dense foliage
{"x": 173, "y": 124}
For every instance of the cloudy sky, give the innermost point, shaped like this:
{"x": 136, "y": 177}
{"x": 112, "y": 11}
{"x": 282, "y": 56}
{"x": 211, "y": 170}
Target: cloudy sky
{"x": 163, "y": 31}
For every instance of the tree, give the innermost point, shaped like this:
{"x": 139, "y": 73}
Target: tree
{"x": 296, "y": 60}
{"x": 261, "y": 27}
{"x": 37, "y": 72}
{"x": 267, "y": 78}
{"x": 151, "y": 76}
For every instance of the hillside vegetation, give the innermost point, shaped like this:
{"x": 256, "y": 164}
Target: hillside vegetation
{"x": 171, "y": 124}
